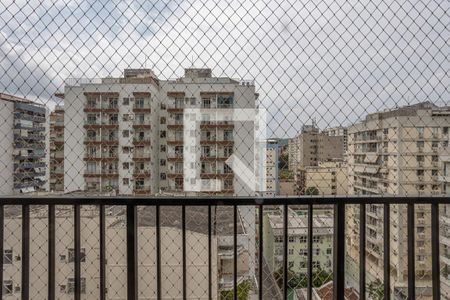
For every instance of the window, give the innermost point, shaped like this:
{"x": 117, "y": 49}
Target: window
{"x": 329, "y": 251}
{"x": 291, "y": 264}
{"x": 302, "y": 264}
{"x": 7, "y": 287}
{"x": 291, "y": 239}
{"x": 317, "y": 239}
{"x": 420, "y": 144}
{"x": 125, "y": 166}
{"x": 303, "y": 239}
{"x": 126, "y": 133}
{"x": 126, "y": 150}
{"x": 7, "y": 256}
{"x": 278, "y": 239}
{"x": 291, "y": 251}
{"x": 91, "y": 167}
{"x": 162, "y": 176}
{"x": 162, "y": 162}
{"x": 72, "y": 255}
{"x": 162, "y": 134}
{"x": 420, "y": 131}
{"x": 316, "y": 265}
{"x": 435, "y": 158}
{"x": 317, "y": 251}
{"x": 420, "y": 172}
{"x": 126, "y": 117}
{"x": 126, "y": 181}
{"x": 420, "y": 158}
{"x": 71, "y": 285}
{"x": 162, "y": 148}
{"x": 126, "y": 101}
{"x": 385, "y": 130}
{"x": 303, "y": 252}
{"x": 162, "y": 120}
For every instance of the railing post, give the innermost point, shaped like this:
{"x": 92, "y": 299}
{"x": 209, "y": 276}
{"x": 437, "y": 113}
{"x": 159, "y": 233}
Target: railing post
{"x": 387, "y": 251}
{"x": 131, "y": 252}
{"x": 183, "y": 248}
{"x": 260, "y": 242}
{"x": 2, "y": 234}
{"x": 25, "y": 252}
{"x": 411, "y": 253}
{"x": 310, "y": 251}
{"x": 209, "y": 254}
{"x": 158, "y": 252}
{"x": 362, "y": 251}
{"x": 51, "y": 252}
{"x": 77, "y": 256}
{"x": 285, "y": 251}
{"x": 102, "y": 253}
{"x": 339, "y": 251}
{"x": 235, "y": 253}
{"x": 435, "y": 268}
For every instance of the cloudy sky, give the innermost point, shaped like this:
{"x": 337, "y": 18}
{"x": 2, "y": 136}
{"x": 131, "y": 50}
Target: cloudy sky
{"x": 331, "y": 60}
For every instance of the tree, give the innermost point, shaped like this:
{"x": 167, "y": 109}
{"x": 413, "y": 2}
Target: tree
{"x": 375, "y": 289}
{"x": 243, "y": 289}
{"x": 312, "y": 190}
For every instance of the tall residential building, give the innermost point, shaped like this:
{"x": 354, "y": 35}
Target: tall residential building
{"x": 339, "y": 131}
{"x": 24, "y": 159}
{"x": 396, "y": 152}
{"x": 312, "y": 146}
{"x": 267, "y": 160}
{"x": 444, "y": 178}
{"x": 57, "y": 149}
{"x": 132, "y": 132}
{"x": 328, "y": 178}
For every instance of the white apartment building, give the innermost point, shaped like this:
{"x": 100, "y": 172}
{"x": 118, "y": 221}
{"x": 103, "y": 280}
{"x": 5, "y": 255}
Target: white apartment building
{"x": 267, "y": 159}
{"x": 126, "y": 134}
{"x": 24, "y": 157}
{"x": 396, "y": 152}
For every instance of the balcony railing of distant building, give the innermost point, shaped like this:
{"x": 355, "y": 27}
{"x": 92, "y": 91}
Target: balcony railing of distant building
{"x": 375, "y": 205}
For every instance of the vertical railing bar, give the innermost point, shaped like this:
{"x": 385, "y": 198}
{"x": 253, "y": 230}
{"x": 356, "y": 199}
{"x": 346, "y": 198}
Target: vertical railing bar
{"x": 435, "y": 268}
{"x": 411, "y": 253}
{"x": 102, "y": 253}
{"x": 158, "y": 252}
{"x": 2, "y": 233}
{"x": 285, "y": 251}
{"x": 183, "y": 237}
{"x": 387, "y": 250}
{"x": 209, "y": 254}
{"x": 235, "y": 258}
{"x": 260, "y": 260}
{"x": 77, "y": 254}
{"x": 310, "y": 250}
{"x": 25, "y": 287}
{"x": 339, "y": 251}
{"x": 131, "y": 252}
{"x": 51, "y": 252}
{"x": 362, "y": 251}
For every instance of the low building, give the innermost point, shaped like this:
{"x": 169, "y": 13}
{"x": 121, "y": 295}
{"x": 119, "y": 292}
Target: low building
{"x": 297, "y": 244}
{"x": 328, "y": 178}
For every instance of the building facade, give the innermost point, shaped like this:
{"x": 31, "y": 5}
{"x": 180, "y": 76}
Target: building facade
{"x": 133, "y": 134}
{"x": 57, "y": 149}
{"x": 328, "y": 178}
{"x": 24, "y": 156}
{"x": 396, "y": 152}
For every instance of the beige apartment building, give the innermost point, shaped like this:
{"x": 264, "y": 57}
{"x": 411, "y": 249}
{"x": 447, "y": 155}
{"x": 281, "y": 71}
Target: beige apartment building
{"x": 396, "y": 152}
{"x": 57, "y": 149}
{"x": 312, "y": 146}
{"x": 328, "y": 178}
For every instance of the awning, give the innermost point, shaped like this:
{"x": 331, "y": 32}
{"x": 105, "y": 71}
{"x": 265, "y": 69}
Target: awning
{"x": 371, "y": 158}
{"x": 366, "y": 169}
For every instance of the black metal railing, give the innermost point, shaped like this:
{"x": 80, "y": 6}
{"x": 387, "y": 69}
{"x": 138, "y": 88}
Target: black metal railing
{"x": 131, "y": 204}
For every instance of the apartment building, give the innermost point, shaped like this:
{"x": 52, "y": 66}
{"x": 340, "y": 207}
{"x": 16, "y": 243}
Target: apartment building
{"x": 396, "y": 152}
{"x": 312, "y": 146}
{"x": 339, "y": 131}
{"x": 24, "y": 159}
{"x": 328, "y": 178}
{"x": 298, "y": 241}
{"x": 132, "y": 128}
{"x": 267, "y": 160}
{"x": 57, "y": 149}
